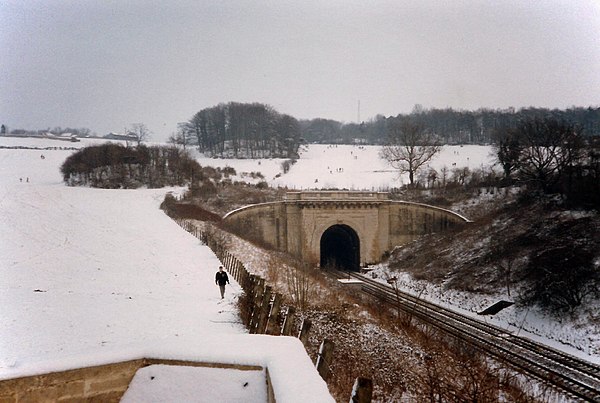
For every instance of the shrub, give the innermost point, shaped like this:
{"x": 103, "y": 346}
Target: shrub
{"x": 561, "y": 278}
{"x": 115, "y": 166}
{"x": 228, "y": 171}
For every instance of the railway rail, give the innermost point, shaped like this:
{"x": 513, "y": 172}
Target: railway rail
{"x": 576, "y": 378}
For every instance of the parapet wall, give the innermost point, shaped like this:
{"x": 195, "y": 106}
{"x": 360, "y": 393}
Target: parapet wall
{"x": 102, "y": 384}
{"x": 409, "y": 221}
{"x": 265, "y": 222}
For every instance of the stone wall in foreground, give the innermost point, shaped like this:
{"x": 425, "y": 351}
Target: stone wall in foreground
{"x": 102, "y": 384}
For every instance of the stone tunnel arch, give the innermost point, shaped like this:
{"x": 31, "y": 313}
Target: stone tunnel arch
{"x": 312, "y": 226}
{"x": 340, "y": 248}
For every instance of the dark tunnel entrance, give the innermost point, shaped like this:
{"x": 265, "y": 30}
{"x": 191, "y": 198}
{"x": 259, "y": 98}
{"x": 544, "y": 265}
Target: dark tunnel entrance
{"x": 340, "y": 248}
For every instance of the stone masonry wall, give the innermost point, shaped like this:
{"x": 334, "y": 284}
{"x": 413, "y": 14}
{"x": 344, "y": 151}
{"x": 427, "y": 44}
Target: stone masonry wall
{"x": 102, "y": 384}
{"x": 297, "y": 224}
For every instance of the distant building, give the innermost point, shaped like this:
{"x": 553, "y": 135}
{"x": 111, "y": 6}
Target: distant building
{"x": 118, "y": 136}
{"x": 61, "y": 136}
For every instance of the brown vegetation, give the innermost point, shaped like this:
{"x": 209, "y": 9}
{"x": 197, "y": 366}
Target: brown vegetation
{"x": 534, "y": 246}
{"x": 404, "y": 358}
{"x": 176, "y": 209}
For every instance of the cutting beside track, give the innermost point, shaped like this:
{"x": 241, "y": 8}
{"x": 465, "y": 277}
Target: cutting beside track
{"x": 576, "y": 378}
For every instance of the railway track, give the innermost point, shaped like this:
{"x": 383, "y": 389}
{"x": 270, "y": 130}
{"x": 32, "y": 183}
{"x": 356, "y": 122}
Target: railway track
{"x": 576, "y": 378}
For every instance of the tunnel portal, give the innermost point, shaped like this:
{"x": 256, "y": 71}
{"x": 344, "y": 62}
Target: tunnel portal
{"x": 340, "y": 248}
{"x": 347, "y": 229}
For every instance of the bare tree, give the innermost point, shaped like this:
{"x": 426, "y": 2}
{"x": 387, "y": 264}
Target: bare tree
{"x": 182, "y": 136}
{"x": 508, "y": 149}
{"x": 410, "y": 147}
{"x": 549, "y": 147}
{"x": 140, "y": 131}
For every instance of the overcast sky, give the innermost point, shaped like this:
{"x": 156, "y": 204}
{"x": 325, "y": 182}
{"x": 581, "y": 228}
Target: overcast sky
{"x": 105, "y": 64}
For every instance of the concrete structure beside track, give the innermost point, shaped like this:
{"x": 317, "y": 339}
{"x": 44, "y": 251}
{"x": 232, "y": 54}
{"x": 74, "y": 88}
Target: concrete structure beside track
{"x": 345, "y": 229}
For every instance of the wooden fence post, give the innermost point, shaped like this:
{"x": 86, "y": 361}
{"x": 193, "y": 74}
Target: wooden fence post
{"x": 325, "y": 359}
{"x": 248, "y": 306}
{"x": 273, "y": 320}
{"x": 362, "y": 391}
{"x": 226, "y": 256}
{"x": 230, "y": 258}
{"x": 244, "y": 278}
{"x": 236, "y": 269}
{"x": 288, "y": 322}
{"x": 304, "y": 329}
{"x": 264, "y": 310}
{"x": 259, "y": 287}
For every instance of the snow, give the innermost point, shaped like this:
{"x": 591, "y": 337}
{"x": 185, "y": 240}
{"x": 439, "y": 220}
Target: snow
{"x": 269, "y": 168}
{"x": 290, "y": 370}
{"x": 91, "y": 276}
{"x": 166, "y": 383}
{"x": 351, "y": 167}
{"x": 101, "y": 266}
{"x": 525, "y": 322}
{"x": 361, "y": 168}
{"x": 350, "y": 281}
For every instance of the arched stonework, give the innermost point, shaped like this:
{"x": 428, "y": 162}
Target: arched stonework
{"x": 297, "y": 224}
{"x": 340, "y": 248}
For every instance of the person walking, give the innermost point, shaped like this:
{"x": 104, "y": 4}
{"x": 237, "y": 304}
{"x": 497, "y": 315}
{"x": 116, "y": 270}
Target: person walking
{"x": 221, "y": 279}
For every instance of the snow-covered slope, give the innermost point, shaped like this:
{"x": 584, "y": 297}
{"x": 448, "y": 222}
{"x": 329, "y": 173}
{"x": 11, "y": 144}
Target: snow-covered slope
{"x": 323, "y": 166}
{"x": 91, "y": 276}
{"x": 82, "y": 269}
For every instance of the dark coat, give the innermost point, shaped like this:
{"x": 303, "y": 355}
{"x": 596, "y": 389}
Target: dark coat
{"x": 221, "y": 278}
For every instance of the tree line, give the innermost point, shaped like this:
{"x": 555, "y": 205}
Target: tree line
{"x": 241, "y": 130}
{"x": 75, "y": 131}
{"x": 544, "y": 155}
{"x": 449, "y": 125}
{"x": 115, "y": 166}
{"x": 551, "y": 156}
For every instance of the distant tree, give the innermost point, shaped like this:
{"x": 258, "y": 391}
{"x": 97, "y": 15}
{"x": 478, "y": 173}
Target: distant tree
{"x": 174, "y": 139}
{"x": 410, "y": 147}
{"x": 115, "y": 166}
{"x": 182, "y": 137}
{"x": 549, "y": 147}
{"x": 508, "y": 149}
{"x": 244, "y": 130}
{"x": 288, "y": 133}
{"x": 321, "y": 130}
{"x": 3, "y": 130}
{"x": 140, "y": 131}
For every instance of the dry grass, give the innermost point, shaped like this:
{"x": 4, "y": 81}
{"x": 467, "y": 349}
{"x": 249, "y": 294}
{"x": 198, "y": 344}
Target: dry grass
{"x": 406, "y": 360}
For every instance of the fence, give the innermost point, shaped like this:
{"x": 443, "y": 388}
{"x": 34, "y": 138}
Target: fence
{"x": 261, "y": 308}
{"x": 262, "y": 313}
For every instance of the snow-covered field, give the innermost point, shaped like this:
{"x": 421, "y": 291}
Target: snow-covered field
{"x": 84, "y": 269}
{"x": 347, "y": 167}
{"x": 91, "y": 276}
{"x": 97, "y": 273}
